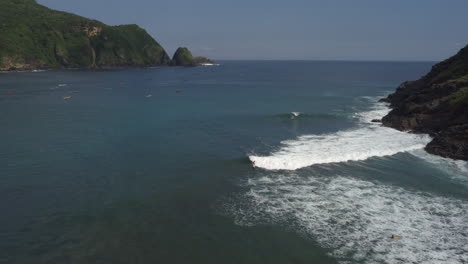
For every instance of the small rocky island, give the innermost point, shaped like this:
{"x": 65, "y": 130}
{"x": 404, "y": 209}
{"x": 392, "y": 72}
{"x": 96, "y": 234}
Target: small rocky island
{"x": 183, "y": 57}
{"x": 436, "y": 104}
{"x": 33, "y": 37}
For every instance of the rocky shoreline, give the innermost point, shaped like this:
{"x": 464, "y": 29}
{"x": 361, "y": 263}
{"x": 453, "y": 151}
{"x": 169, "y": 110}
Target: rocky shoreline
{"x": 436, "y": 104}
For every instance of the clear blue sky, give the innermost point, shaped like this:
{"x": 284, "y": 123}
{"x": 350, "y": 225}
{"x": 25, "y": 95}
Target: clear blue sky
{"x": 292, "y": 29}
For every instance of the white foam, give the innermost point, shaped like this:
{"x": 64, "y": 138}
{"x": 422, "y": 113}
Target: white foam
{"x": 462, "y": 165}
{"x": 355, "y": 218}
{"x": 209, "y": 64}
{"x": 457, "y": 169}
{"x": 378, "y": 111}
{"x": 366, "y": 141}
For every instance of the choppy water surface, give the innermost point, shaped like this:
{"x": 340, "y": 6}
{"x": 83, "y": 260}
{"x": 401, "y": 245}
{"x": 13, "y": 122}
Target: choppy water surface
{"x": 145, "y": 165}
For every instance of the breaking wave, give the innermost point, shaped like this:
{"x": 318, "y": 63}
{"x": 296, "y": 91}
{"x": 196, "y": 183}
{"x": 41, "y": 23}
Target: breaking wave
{"x": 368, "y": 140}
{"x": 456, "y": 169}
{"x": 351, "y": 217}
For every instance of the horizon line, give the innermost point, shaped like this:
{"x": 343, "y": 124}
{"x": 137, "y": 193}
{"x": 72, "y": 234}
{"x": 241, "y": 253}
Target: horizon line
{"x": 329, "y": 60}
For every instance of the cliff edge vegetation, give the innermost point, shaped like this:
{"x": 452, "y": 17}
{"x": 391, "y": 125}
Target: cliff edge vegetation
{"x": 436, "y": 104}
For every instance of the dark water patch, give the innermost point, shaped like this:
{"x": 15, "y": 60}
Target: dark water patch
{"x": 137, "y": 230}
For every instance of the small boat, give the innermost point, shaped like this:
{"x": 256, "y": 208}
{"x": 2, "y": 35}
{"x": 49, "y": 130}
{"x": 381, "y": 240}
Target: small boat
{"x": 67, "y": 97}
{"x": 395, "y": 237}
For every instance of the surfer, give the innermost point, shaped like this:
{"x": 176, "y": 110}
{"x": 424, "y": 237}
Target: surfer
{"x": 295, "y": 114}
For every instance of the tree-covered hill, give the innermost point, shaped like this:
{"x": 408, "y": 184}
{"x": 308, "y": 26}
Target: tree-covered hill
{"x": 33, "y": 36}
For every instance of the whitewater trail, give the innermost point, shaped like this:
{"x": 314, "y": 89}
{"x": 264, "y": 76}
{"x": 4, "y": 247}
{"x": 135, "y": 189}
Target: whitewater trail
{"x": 351, "y": 217}
{"x": 368, "y": 140}
{"x": 354, "y": 218}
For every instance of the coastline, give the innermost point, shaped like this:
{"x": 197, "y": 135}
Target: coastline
{"x": 436, "y": 104}
{"x": 103, "y": 68}
{"x": 448, "y": 143}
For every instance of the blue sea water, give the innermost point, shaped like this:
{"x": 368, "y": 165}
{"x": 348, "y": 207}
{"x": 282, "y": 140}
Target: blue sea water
{"x": 156, "y": 166}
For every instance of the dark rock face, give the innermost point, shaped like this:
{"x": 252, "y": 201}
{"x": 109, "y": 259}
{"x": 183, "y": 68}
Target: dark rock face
{"x": 183, "y": 57}
{"x": 451, "y": 143}
{"x": 436, "y": 104}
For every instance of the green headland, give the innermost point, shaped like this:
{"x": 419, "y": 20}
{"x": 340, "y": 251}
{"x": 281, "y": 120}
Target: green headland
{"x": 33, "y": 36}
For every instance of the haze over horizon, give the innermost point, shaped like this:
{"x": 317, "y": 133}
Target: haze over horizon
{"x": 307, "y": 30}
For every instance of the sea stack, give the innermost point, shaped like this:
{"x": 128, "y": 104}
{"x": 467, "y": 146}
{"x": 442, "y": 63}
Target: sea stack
{"x": 183, "y": 57}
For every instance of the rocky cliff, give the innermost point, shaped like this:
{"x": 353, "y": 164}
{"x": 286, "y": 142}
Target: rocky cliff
{"x": 33, "y": 36}
{"x": 436, "y": 104}
{"x": 183, "y": 57}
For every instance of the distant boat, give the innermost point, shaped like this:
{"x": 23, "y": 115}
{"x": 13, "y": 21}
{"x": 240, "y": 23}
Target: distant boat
{"x": 67, "y": 97}
{"x": 149, "y": 95}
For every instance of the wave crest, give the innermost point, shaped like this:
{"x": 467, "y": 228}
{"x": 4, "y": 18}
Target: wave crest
{"x": 368, "y": 140}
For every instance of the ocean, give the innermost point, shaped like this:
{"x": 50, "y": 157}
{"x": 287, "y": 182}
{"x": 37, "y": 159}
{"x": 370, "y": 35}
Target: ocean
{"x": 246, "y": 162}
